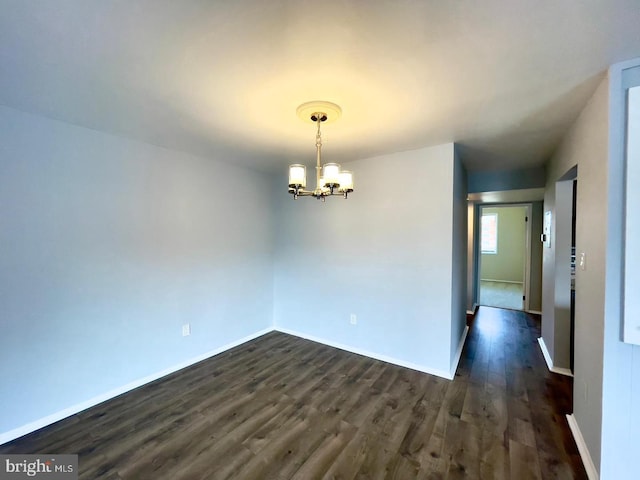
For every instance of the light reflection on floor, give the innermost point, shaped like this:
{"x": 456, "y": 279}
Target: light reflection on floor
{"x": 491, "y": 322}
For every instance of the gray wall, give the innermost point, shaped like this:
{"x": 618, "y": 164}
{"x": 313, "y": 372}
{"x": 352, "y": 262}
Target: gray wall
{"x": 621, "y": 376}
{"x": 107, "y": 246}
{"x": 500, "y": 180}
{"x": 385, "y": 256}
{"x": 584, "y": 145}
{"x": 508, "y": 263}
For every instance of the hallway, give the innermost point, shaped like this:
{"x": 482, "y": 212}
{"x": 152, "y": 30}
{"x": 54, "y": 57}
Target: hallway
{"x": 516, "y": 394}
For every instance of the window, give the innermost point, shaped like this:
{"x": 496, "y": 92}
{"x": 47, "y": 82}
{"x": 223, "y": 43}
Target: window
{"x": 489, "y": 232}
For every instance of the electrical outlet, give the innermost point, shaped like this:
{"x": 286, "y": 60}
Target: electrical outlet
{"x": 353, "y": 320}
{"x": 186, "y": 329}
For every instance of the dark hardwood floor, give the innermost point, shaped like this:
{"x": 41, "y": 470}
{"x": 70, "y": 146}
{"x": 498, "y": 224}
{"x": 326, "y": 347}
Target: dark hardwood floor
{"x": 280, "y": 407}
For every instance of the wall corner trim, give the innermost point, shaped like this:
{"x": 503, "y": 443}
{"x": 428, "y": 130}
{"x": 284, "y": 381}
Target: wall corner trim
{"x": 592, "y": 472}
{"x": 456, "y": 360}
{"x": 79, "y": 407}
{"x": 547, "y": 358}
{"x": 366, "y": 353}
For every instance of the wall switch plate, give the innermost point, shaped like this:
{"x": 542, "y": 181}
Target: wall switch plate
{"x": 186, "y": 329}
{"x": 546, "y": 230}
{"x": 353, "y": 319}
{"x": 583, "y": 261}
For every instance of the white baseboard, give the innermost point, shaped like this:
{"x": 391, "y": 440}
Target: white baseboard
{"x": 79, "y": 407}
{"x": 366, "y": 353}
{"x": 547, "y": 358}
{"x": 456, "y": 359}
{"x": 535, "y": 312}
{"x": 592, "y": 472}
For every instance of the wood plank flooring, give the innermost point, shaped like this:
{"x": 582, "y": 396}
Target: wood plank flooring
{"x": 280, "y": 407}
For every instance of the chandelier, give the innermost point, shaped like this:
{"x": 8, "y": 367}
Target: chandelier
{"x": 330, "y": 179}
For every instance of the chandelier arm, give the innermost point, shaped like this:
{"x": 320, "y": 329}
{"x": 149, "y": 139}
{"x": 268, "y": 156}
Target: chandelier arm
{"x": 301, "y": 192}
{"x": 317, "y": 194}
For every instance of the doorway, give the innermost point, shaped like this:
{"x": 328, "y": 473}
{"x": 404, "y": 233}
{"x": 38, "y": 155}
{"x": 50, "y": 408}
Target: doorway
{"x": 504, "y": 253}
{"x": 564, "y": 245}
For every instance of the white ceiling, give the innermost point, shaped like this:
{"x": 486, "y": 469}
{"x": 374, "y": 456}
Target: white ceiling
{"x": 503, "y": 78}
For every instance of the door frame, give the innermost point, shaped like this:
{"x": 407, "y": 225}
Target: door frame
{"x": 526, "y": 282}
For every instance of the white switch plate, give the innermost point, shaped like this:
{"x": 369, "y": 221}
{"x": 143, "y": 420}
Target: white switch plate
{"x": 583, "y": 261}
{"x": 353, "y": 320}
{"x": 546, "y": 230}
{"x": 186, "y": 329}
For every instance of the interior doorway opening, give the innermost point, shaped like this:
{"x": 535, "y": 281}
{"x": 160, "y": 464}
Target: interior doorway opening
{"x": 564, "y": 298}
{"x": 504, "y": 255}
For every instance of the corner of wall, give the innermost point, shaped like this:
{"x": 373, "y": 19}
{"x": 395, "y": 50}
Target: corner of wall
{"x": 459, "y": 257}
